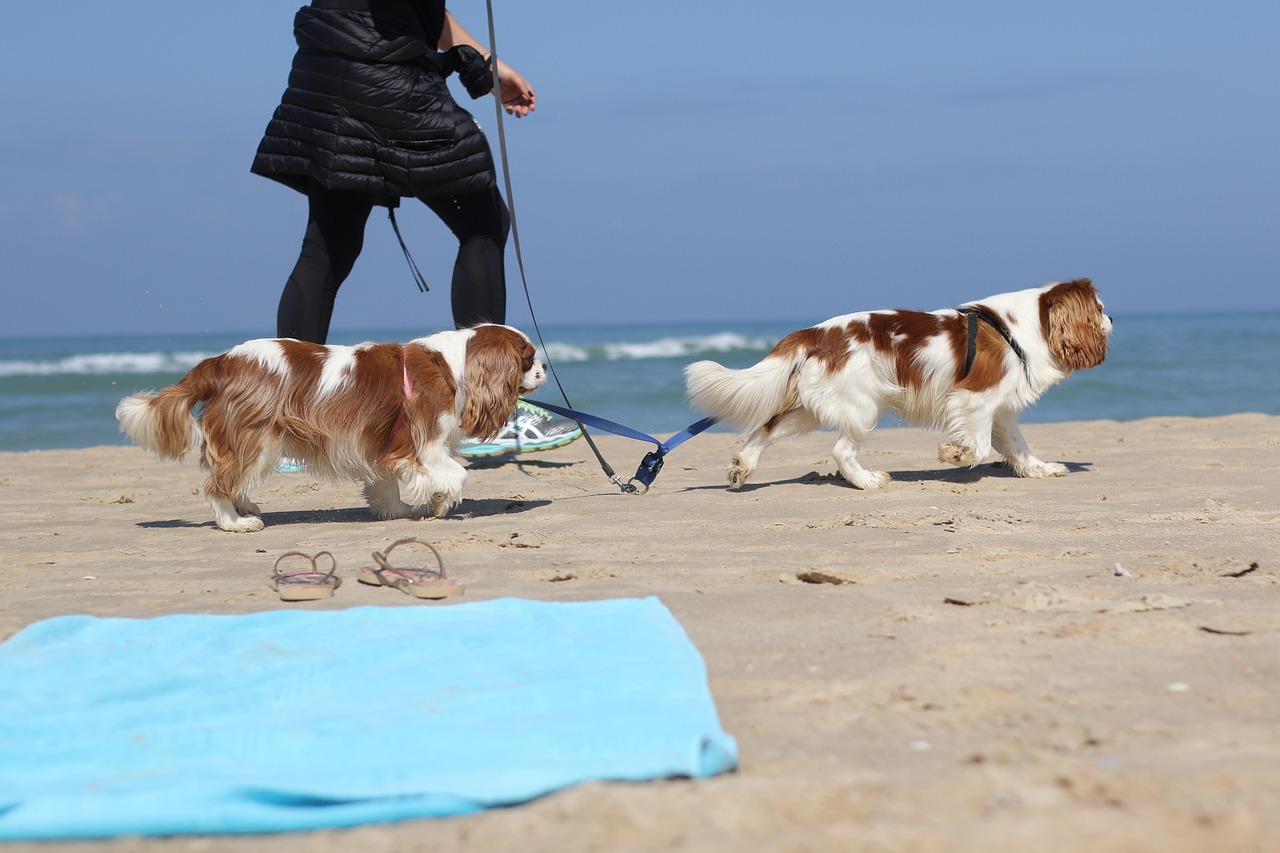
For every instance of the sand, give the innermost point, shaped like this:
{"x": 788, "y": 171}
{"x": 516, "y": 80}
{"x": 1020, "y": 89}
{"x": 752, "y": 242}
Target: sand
{"x": 962, "y": 661}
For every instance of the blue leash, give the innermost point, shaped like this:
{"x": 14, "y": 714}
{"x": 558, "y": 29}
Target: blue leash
{"x": 652, "y": 462}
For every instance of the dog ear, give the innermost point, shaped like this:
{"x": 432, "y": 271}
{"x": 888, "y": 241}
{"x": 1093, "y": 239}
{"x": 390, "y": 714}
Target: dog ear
{"x": 1073, "y": 325}
{"x": 492, "y": 377}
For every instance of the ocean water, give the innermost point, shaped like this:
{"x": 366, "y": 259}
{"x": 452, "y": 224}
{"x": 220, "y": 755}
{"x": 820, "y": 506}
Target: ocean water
{"x": 61, "y": 392}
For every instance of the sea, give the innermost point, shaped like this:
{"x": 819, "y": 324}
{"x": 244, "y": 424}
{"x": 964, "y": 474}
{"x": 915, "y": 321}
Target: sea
{"x": 61, "y": 392}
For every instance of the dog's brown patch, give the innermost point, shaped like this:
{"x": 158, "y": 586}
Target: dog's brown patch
{"x": 903, "y": 335}
{"x": 991, "y": 350}
{"x": 829, "y": 345}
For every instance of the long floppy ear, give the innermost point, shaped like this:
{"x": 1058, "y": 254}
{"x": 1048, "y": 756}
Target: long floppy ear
{"x": 492, "y": 378}
{"x": 1073, "y": 325}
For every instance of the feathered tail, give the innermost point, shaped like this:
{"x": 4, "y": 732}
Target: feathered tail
{"x": 162, "y": 422}
{"x": 745, "y": 399}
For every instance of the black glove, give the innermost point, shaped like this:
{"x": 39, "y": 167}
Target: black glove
{"x": 473, "y": 70}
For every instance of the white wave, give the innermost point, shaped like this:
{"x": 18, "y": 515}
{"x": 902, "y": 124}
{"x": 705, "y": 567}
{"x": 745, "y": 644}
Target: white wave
{"x": 560, "y": 352}
{"x": 678, "y": 347}
{"x": 99, "y": 364}
{"x": 669, "y": 347}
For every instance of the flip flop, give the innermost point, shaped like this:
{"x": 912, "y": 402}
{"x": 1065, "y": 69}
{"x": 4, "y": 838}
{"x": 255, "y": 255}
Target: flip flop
{"x": 416, "y": 581}
{"x": 305, "y": 584}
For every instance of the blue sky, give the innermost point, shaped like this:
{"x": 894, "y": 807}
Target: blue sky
{"x": 699, "y": 161}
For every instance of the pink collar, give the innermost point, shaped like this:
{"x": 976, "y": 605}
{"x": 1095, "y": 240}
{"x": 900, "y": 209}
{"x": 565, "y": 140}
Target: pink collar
{"x": 408, "y": 394}
{"x": 408, "y": 383}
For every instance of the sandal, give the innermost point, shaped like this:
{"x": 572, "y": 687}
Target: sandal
{"x": 305, "y": 584}
{"x": 418, "y": 582}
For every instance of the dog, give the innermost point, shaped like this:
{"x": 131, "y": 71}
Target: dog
{"x": 385, "y": 414}
{"x": 968, "y": 371}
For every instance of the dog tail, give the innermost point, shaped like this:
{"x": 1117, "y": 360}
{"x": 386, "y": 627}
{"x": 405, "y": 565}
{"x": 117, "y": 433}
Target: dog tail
{"x": 745, "y": 399}
{"x": 163, "y": 422}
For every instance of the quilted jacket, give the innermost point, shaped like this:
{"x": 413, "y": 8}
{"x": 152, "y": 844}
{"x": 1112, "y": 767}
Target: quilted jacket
{"x": 367, "y": 109}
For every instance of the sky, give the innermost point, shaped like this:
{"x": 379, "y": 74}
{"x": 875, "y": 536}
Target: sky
{"x": 704, "y": 161}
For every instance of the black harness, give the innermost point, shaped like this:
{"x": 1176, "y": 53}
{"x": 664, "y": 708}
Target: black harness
{"x": 974, "y": 314}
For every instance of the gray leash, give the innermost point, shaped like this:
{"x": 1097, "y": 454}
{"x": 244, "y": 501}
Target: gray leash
{"x": 515, "y": 239}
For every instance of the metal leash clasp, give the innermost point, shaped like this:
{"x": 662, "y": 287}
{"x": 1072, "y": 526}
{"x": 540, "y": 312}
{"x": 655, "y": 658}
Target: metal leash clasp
{"x": 626, "y": 487}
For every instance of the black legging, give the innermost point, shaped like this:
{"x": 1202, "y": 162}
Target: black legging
{"x": 335, "y": 236}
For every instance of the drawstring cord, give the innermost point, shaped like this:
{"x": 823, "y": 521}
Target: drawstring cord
{"x": 417, "y": 276}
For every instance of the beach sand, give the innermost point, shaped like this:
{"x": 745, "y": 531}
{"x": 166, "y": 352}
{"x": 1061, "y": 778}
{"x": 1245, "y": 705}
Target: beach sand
{"x": 953, "y": 663}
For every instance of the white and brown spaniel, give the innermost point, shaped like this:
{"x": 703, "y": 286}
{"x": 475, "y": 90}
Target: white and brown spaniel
{"x": 967, "y": 371}
{"x": 385, "y": 414}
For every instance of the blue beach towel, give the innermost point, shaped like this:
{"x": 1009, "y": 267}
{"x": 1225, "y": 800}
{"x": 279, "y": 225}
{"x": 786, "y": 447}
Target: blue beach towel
{"x": 290, "y": 720}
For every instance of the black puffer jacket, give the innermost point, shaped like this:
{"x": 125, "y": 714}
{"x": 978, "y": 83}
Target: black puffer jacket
{"x": 367, "y": 109}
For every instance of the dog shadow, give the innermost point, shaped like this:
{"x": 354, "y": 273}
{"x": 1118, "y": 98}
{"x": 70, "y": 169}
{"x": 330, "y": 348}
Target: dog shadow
{"x": 959, "y": 476}
{"x": 480, "y": 508}
{"x": 489, "y": 507}
{"x": 346, "y": 515}
{"x": 991, "y": 470}
{"x": 518, "y": 460}
{"x": 173, "y": 524}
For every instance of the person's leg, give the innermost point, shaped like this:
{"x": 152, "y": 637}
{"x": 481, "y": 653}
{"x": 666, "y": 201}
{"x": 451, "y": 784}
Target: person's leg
{"x": 333, "y": 240}
{"x": 481, "y": 223}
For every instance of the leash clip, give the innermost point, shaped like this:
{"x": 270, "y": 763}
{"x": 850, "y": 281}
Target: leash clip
{"x": 650, "y": 465}
{"x": 626, "y": 487}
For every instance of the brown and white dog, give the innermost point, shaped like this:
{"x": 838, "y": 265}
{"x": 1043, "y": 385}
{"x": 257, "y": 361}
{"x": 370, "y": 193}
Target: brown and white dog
{"x": 385, "y": 414}
{"x": 968, "y": 371}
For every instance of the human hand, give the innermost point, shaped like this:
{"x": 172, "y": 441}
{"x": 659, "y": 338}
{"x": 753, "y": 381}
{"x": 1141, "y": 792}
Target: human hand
{"x": 518, "y": 97}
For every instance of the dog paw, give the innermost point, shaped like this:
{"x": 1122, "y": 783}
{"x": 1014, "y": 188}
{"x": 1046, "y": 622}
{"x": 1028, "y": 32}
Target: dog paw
{"x": 248, "y": 524}
{"x": 870, "y": 480}
{"x": 738, "y": 474}
{"x": 440, "y": 504}
{"x": 1042, "y": 469}
{"x": 954, "y": 453}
